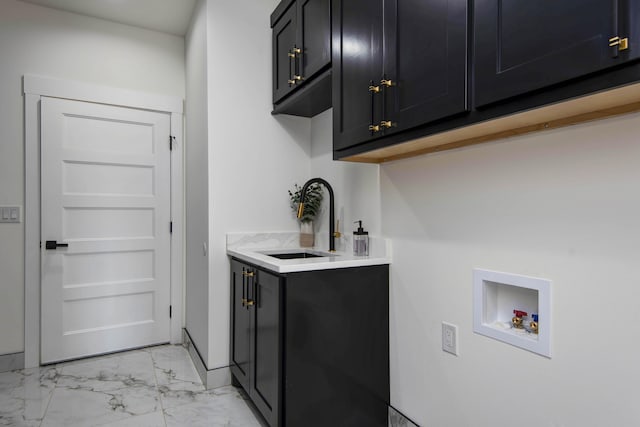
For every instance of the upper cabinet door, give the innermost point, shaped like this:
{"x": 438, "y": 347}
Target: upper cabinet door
{"x": 425, "y": 62}
{"x": 357, "y": 65}
{"x": 314, "y": 36}
{"x": 523, "y": 45}
{"x": 284, "y": 60}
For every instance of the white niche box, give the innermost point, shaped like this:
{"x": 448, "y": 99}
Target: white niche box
{"x": 496, "y": 295}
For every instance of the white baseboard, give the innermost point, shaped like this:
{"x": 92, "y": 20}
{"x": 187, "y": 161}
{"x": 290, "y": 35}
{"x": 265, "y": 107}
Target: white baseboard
{"x": 11, "y": 362}
{"x": 211, "y": 378}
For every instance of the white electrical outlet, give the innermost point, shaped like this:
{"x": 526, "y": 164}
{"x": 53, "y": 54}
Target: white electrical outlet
{"x": 450, "y": 338}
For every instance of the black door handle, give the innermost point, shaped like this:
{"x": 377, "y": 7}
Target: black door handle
{"x": 52, "y": 244}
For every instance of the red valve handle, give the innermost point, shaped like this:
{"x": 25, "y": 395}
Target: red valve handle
{"x": 519, "y": 313}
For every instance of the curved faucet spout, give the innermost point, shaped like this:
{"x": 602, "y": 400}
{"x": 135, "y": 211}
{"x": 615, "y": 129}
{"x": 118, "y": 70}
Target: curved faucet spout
{"x": 303, "y": 193}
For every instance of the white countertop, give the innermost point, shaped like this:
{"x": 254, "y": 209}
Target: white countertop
{"x": 251, "y": 247}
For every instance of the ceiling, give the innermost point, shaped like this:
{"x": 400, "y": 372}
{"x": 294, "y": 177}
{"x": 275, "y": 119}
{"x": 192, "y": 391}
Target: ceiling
{"x": 168, "y": 16}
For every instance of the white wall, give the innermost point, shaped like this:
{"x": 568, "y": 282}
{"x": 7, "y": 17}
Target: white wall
{"x": 41, "y": 41}
{"x": 254, "y": 158}
{"x": 562, "y": 205}
{"x": 356, "y": 187}
{"x": 196, "y": 181}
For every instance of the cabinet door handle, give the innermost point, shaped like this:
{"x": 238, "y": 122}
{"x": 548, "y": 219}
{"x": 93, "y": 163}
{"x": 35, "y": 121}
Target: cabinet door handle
{"x": 291, "y": 56}
{"x": 244, "y": 294}
{"x": 373, "y": 90}
{"x": 386, "y": 84}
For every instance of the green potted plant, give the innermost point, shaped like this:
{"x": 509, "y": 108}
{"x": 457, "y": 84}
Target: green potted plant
{"x": 312, "y": 203}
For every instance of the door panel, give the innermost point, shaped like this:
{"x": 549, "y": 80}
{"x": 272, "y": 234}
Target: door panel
{"x": 314, "y": 24}
{"x": 357, "y": 62}
{"x": 284, "y": 40}
{"x": 426, "y": 59}
{"x": 240, "y": 325}
{"x": 522, "y": 46}
{"x": 267, "y": 360}
{"x": 106, "y": 193}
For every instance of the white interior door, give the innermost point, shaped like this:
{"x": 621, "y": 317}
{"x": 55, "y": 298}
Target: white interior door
{"x": 105, "y": 175}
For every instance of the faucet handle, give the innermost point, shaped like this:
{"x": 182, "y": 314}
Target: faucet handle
{"x": 337, "y": 233}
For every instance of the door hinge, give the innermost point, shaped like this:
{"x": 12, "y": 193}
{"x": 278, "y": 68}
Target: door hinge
{"x": 170, "y": 311}
{"x": 171, "y": 227}
{"x": 172, "y": 140}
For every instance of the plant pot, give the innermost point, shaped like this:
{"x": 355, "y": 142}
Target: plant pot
{"x": 306, "y": 234}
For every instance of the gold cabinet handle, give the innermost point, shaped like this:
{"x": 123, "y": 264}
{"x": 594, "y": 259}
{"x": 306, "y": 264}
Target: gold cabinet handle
{"x": 387, "y": 83}
{"x": 250, "y": 303}
{"x": 248, "y": 273}
{"x": 291, "y": 54}
{"x": 296, "y": 79}
{"x": 296, "y": 51}
{"x": 622, "y": 43}
{"x": 386, "y": 124}
{"x": 374, "y": 128}
{"x": 374, "y": 89}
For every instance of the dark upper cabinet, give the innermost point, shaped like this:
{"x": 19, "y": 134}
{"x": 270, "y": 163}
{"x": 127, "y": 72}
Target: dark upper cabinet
{"x": 284, "y": 61}
{"x": 301, "y": 54}
{"x": 521, "y": 45}
{"x": 397, "y": 64}
{"x": 357, "y": 65}
{"x": 314, "y": 36}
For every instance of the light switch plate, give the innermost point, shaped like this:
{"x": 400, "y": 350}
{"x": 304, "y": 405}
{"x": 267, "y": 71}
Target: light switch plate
{"x": 10, "y": 214}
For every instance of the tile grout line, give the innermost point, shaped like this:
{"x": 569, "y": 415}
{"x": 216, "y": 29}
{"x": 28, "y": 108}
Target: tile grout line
{"x": 155, "y": 376}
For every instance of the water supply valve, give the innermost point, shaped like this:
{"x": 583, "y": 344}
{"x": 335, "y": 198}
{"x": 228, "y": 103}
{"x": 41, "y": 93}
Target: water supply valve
{"x": 516, "y": 321}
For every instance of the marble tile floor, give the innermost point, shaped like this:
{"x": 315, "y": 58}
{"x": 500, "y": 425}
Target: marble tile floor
{"x": 155, "y": 386}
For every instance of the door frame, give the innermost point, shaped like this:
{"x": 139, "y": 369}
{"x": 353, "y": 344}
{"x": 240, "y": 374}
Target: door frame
{"x": 35, "y": 87}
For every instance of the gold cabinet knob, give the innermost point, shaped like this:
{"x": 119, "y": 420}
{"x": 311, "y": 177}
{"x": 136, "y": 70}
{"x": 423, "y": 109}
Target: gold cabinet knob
{"x": 250, "y": 303}
{"x": 291, "y": 54}
{"x": 296, "y": 51}
{"x": 374, "y": 128}
{"x": 248, "y": 273}
{"x": 374, "y": 89}
{"x": 387, "y": 83}
{"x": 386, "y": 124}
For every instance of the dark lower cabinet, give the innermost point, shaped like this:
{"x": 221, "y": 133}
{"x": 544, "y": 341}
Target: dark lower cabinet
{"x": 397, "y": 64}
{"x": 332, "y": 339}
{"x": 255, "y": 337}
{"x": 521, "y": 46}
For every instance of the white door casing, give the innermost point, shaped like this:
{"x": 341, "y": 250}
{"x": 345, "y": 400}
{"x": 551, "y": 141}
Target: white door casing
{"x": 34, "y": 89}
{"x": 106, "y": 193}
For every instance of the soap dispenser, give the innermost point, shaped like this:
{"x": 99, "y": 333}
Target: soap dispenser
{"x": 360, "y": 241}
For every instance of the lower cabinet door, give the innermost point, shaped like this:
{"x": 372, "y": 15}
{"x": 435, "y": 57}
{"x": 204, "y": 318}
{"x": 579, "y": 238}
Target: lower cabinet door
{"x": 266, "y": 376}
{"x": 240, "y": 325}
